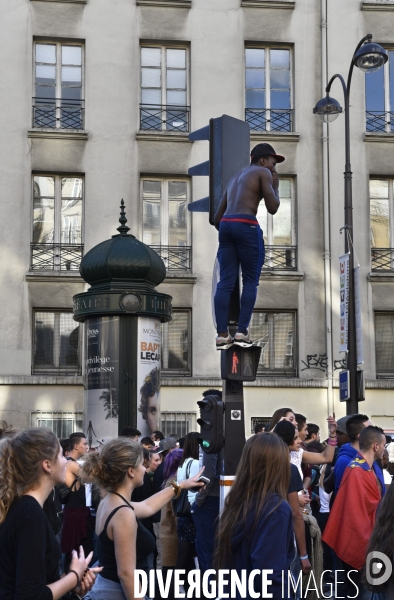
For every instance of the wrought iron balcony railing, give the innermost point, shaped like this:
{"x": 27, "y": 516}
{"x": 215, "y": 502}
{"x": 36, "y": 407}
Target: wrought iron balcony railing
{"x": 164, "y": 118}
{"x": 175, "y": 258}
{"x": 55, "y": 257}
{"x": 270, "y": 119}
{"x": 380, "y": 121}
{"x": 280, "y": 258}
{"x": 382, "y": 259}
{"x": 54, "y": 113}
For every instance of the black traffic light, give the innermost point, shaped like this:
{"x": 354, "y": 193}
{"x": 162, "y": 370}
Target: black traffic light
{"x": 229, "y": 152}
{"x": 211, "y": 422}
{"x": 240, "y": 364}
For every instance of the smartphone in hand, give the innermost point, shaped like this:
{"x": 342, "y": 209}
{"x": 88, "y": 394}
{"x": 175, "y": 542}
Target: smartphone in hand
{"x": 205, "y": 481}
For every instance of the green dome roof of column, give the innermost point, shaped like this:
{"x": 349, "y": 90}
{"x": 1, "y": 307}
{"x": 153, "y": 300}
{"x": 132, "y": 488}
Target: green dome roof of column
{"x": 122, "y": 259}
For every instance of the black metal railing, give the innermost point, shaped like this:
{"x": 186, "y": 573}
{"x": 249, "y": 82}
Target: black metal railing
{"x": 382, "y": 259}
{"x": 280, "y": 258}
{"x": 380, "y": 121}
{"x": 270, "y": 119}
{"x": 54, "y": 113}
{"x": 175, "y": 258}
{"x": 55, "y": 257}
{"x": 164, "y": 118}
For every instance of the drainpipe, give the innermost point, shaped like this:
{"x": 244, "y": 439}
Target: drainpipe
{"x": 326, "y": 209}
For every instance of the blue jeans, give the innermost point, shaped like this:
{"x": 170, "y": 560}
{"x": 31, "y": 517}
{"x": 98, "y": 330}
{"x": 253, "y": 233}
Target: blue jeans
{"x": 205, "y": 519}
{"x": 240, "y": 243}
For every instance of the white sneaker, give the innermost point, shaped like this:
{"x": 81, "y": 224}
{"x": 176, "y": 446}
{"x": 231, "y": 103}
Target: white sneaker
{"x": 242, "y": 339}
{"x": 223, "y": 343}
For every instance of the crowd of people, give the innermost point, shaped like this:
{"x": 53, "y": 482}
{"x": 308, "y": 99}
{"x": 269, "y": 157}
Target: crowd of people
{"x": 78, "y": 521}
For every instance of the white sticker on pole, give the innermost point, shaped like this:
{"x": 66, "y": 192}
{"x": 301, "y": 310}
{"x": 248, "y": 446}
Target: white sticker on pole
{"x": 344, "y": 301}
{"x": 357, "y": 300}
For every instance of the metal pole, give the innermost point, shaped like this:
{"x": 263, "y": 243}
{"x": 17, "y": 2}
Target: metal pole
{"x": 352, "y": 403}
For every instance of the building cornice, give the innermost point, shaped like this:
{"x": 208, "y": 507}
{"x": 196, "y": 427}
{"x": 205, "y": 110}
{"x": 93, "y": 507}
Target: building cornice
{"x": 277, "y": 382}
{"x": 179, "y": 278}
{"x": 41, "y": 380}
{"x": 63, "y": 1}
{"x": 163, "y": 136}
{"x": 51, "y": 276}
{"x": 381, "y": 5}
{"x": 379, "y": 137}
{"x": 166, "y": 3}
{"x": 282, "y": 275}
{"x": 284, "y": 4}
{"x": 268, "y": 136}
{"x": 381, "y": 277}
{"x": 57, "y": 134}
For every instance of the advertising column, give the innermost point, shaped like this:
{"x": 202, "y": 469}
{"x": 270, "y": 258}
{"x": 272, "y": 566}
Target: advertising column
{"x": 149, "y": 375}
{"x": 102, "y": 376}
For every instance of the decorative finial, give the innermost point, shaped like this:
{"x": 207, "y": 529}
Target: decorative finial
{"x": 123, "y": 229}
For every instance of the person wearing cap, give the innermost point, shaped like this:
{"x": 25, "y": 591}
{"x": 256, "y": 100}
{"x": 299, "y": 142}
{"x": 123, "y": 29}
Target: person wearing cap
{"x": 241, "y": 240}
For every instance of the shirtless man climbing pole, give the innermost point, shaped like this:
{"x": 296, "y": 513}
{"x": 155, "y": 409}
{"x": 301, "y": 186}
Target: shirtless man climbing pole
{"x": 241, "y": 239}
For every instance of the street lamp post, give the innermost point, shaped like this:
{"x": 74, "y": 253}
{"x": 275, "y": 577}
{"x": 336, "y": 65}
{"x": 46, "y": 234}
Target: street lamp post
{"x": 368, "y": 57}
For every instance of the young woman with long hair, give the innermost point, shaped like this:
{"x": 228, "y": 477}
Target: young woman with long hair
{"x": 31, "y": 464}
{"x": 382, "y": 540}
{"x": 256, "y": 527}
{"x": 186, "y": 529}
{"x": 123, "y": 544}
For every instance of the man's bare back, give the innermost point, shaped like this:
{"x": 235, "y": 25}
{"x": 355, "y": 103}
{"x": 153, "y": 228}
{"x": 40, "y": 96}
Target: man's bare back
{"x": 246, "y": 190}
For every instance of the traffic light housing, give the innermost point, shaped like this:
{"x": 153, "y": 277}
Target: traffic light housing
{"x": 229, "y": 152}
{"x": 211, "y": 422}
{"x": 240, "y": 364}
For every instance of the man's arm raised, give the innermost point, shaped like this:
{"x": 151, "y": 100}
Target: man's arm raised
{"x": 270, "y": 189}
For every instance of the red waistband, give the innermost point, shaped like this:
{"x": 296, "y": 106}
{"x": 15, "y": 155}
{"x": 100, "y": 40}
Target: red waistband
{"x": 240, "y": 220}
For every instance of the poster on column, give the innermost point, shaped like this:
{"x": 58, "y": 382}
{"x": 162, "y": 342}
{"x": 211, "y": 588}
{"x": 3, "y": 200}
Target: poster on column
{"x": 149, "y": 375}
{"x": 344, "y": 301}
{"x": 101, "y": 378}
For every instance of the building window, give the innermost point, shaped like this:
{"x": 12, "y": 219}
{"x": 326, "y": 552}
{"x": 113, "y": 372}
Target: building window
{"x": 56, "y": 346}
{"x": 176, "y": 344}
{"x": 384, "y": 344}
{"x": 268, "y": 89}
{"x": 379, "y": 92}
{"x": 178, "y": 422}
{"x": 58, "y": 78}
{"x": 63, "y": 424}
{"x": 382, "y": 224}
{"x": 279, "y": 230}
{"x": 57, "y": 223}
{"x": 275, "y": 333}
{"x": 165, "y": 226}
{"x": 164, "y": 89}
{"x": 258, "y": 421}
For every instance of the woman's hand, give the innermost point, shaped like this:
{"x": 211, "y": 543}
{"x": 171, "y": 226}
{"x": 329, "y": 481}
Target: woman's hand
{"x": 88, "y": 579}
{"x": 303, "y": 499}
{"x": 86, "y": 576}
{"x": 192, "y": 482}
{"x": 332, "y": 425}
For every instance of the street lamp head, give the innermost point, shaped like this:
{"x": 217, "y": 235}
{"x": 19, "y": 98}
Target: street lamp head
{"x": 327, "y": 109}
{"x": 370, "y": 57}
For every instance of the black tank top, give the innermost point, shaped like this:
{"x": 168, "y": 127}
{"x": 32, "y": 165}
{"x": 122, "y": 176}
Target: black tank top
{"x": 77, "y": 496}
{"x": 106, "y": 548}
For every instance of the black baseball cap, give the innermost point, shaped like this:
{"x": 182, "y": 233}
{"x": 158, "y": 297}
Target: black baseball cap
{"x": 263, "y": 150}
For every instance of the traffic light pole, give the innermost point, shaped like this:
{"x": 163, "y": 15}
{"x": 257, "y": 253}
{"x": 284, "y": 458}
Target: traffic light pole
{"x": 234, "y": 426}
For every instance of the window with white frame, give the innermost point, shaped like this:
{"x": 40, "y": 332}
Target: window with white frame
{"x": 260, "y": 421}
{"x": 164, "y": 88}
{"x": 177, "y": 422}
{"x": 176, "y": 344}
{"x": 62, "y": 423}
{"x": 382, "y": 224}
{"x": 58, "y": 79}
{"x": 275, "y": 332}
{"x": 379, "y": 97}
{"x": 56, "y": 344}
{"x": 268, "y": 102}
{"x": 279, "y": 229}
{"x": 165, "y": 221}
{"x": 384, "y": 344}
{"x": 57, "y": 222}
